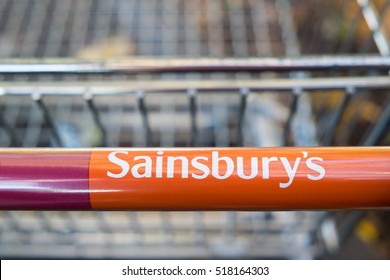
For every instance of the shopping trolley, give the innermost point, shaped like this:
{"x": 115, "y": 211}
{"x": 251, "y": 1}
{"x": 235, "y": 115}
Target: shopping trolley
{"x": 153, "y": 76}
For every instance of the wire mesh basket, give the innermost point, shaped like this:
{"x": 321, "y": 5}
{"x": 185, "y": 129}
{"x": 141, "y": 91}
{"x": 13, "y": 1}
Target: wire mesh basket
{"x": 226, "y": 73}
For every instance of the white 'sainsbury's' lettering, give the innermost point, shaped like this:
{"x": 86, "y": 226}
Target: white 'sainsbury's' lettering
{"x": 200, "y": 167}
{"x": 122, "y": 163}
{"x": 291, "y": 171}
{"x": 222, "y": 167}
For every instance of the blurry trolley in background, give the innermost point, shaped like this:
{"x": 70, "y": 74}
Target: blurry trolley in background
{"x": 176, "y": 73}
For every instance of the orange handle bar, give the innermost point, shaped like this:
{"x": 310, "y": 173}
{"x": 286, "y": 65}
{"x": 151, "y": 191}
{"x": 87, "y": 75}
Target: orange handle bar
{"x": 195, "y": 178}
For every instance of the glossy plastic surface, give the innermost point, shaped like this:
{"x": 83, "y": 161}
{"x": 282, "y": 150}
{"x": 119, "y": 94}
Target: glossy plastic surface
{"x": 196, "y": 179}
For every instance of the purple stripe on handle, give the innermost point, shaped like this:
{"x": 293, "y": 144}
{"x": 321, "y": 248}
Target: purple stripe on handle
{"x": 44, "y": 180}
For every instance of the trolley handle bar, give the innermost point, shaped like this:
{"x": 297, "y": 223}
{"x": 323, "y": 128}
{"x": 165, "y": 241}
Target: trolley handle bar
{"x": 195, "y": 178}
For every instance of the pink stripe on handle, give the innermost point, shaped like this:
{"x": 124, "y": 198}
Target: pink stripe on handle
{"x": 36, "y": 181}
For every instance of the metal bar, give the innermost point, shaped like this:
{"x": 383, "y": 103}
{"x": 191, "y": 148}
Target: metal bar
{"x": 328, "y": 137}
{"x": 65, "y": 42}
{"x": 244, "y": 92}
{"x": 31, "y": 27}
{"x": 14, "y": 139}
{"x": 47, "y": 119}
{"x": 78, "y": 26}
{"x": 373, "y": 22}
{"x": 261, "y": 30}
{"x": 220, "y": 124}
{"x": 44, "y": 31}
{"x": 34, "y": 124}
{"x": 165, "y": 86}
{"x": 11, "y": 110}
{"x": 61, "y": 14}
{"x": 91, "y": 22}
{"x": 305, "y": 128}
{"x": 293, "y": 108}
{"x": 237, "y": 30}
{"x": 289, "y": 35}
{"x": 382, "y": 13}
{"x": 192, "y": 96}
{"x": 95, "y": 115}
{"x": 20, "y": 19}
{"x": 167, "y": 123}
{"x": 144, "y": 115}
{"x": 145, "y": 65}
{"x": 380, "y": 128}
{"x": 115, "y": 116}
{"x": 5, "y": 8}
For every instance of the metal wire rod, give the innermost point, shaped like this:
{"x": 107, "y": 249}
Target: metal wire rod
{"x": 382, "y": 12}
{"x": 14, "y": 139}
{"x": 381, "y": 126}
{"x": 144, "y": 115}
{"x": 244, "y": 92}
{"x": 293, "y": 109}
{"x": 328, "y": 138}
{"x": 373, "y": 22}
{"x": 192, "y": 96}
{"x": 166, "y": 86}
{"x": 95, "y": 114}
{"x": 145, "y": 65}
{"x": 48, "y": 119}
{"x": 289, "y": 35}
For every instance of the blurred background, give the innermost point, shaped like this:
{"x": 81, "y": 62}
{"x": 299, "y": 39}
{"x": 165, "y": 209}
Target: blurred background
{"x": 78, "y": 108}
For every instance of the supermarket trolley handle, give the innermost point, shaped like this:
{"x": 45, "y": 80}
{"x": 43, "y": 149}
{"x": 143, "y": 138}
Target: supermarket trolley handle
{"x": 195, "y": 178}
